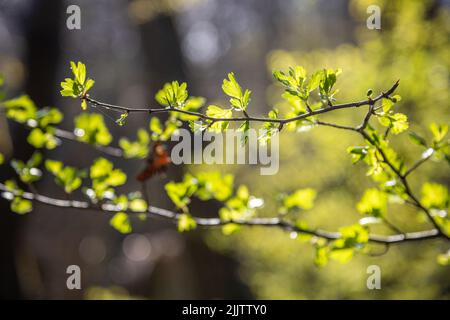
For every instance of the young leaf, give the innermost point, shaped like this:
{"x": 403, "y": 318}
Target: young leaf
{"x": 315, "y": 80}
{"x": 373, "y": 203}
{"x": 438, "y": 131}
{"x": 104, "y": 176}
{"x": 435, "y": 196}
{"x": 172, "y": 95}
{"x": 231, "y": 88}
{"x": 121, "y": 120}
{"x": 238, "y": 99}
{"x": 358, "y": 153}
{"x": 302, "y": 199}
{"x": 20, "y": 109}
{"x": 48, "y": 116}
{"x": 186, "y": 223}
{"x": 138, "y": 205}
{"x": 136, "y": 149}
{"x": 21, "y": 206}
{"x": 121, "y": 222}
{"x": 155, "y": 128}
{"x": 67, "y": 177}
{"x": 398, "y": 122}
{"x": 91, "y": 128}
{"x": 40, "y": 139}
{"x": 217, "y": 112}
{"x": 28, "y": 172}
{"x": 417, "y": 139}
{"x": 78, "y": 86}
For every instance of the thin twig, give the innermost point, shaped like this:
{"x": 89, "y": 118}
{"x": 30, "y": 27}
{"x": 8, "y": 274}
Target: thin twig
{"x": 337, "y": 126}
{"x": 112, "y": 151}
{"x": 417, "y": 164}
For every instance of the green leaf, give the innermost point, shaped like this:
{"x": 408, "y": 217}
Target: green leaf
{"x": 396, "y": 98}
{"x": 315, "y": 80}
{"x": 136, "y": 149}
{"x": 417, "y": 139}
{"x": 192, "y": 104}
{"x": 321, "y": 257}
{"x": 398, "y": 122}
{"x": 79, "y": 71}
{"x": 67, "y": 177}
{"x": 104, "y": 177}
{"x": 171, "y": 127}
{"x": 298, "y": 73}
{"x": 172, "y": 94}
{"x": 2, "y": 158}
{"x": 78, "y": 86}
{"x": 302, "y": 198}
{"x": 387, "y": 104}
{"x": 40, "y": 139}
{"x": 91, "y": 128}
{"x": 294, "y": 82}
{"x": 439, "y": 131}
{"x": 35, "y": 160}
{"x": 239, "y": 99}
{"x": 11, "y": 186}
{"x": 186, "y": 222}
{"x": 121, "y": 120}
{"x": 217, "y": 112}
{"x": 89, "y": 85}
{"x": 20, "y": 109}
{"x": 100, "y": 168}
{"x": 269, "y": 129}
{"x": 21, "y": 206}
{"x": 230, "y": 228}
{"x": 373, "y": 203}
{"x": 138, "y": 205}
{"x": 444, "y": 259}
{"x": 241, "y": 206}
{"x": 435, "y": 196}
{"x": 84, "y": 104}
{"x": 358, "y": 153}
{"x": 70, "y": 88}
{"x": 327, "y": 82}
{"x": 352, "y": 237}
{"x": 121, "y": 222}
{"x": 214, "y": 185}
{"x": 197, "y": 126}
{"x": 28, "y": 172}
{"x": 246, "y": 99}
{"x": 231, "y": 88}
{"x": 282, "y": 78}
{"x": 178, "y": 193}
{"x": 155, "y": 128}
{"x": 48, "y": 116}
{"x": 53, "y": 166}
{"x": 116, "y": 178}
{"x": 343, "y": 255}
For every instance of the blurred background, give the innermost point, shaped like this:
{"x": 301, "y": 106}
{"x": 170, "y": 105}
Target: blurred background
{"x": 131, "y": 48}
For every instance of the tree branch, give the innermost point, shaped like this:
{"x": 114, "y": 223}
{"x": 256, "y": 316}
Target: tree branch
{"x": 246, "y": 117}
{"x": 112, "y": 151}
{"x": 214, "y": 222}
